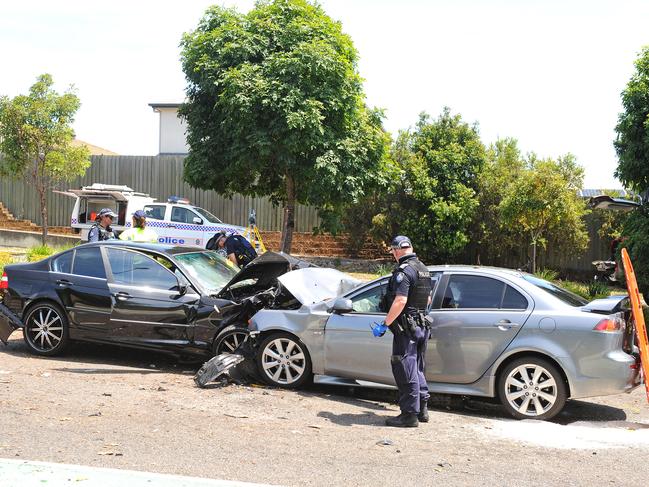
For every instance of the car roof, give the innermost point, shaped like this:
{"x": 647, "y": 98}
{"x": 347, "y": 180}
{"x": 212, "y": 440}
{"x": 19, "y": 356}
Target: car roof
{"x": 156, "y": 247}
{"x": 500, "y": 271}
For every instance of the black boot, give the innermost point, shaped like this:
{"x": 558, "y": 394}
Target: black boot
{"x": 423, "y": 412}
{"x": 404, "y": 420}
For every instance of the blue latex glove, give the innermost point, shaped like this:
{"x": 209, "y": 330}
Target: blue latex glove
{"x": 379, "y": 329}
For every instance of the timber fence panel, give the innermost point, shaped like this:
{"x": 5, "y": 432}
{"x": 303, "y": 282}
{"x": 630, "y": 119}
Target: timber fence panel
{"x": 159, "y": 176}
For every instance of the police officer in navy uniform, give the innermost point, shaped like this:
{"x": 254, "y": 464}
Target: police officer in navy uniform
{"x": 407, "y": 298}
{"x": 101, "y": 229}
{"x": 238, "y": 250}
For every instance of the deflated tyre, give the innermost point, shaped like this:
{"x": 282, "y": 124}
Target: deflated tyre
{"x": 284, "y": 361}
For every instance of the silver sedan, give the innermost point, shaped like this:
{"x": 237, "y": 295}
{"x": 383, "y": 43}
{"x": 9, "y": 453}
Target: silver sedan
{"x": 495, "y": 333}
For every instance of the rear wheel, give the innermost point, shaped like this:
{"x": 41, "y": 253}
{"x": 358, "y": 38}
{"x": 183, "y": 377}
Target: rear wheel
{"x": 532, "y": 388}
{"x": 45, "y": 329}
{"x": 284, "y": 361}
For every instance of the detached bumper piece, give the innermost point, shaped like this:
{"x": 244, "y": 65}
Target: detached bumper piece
{"x": 216, "y": 367}
{"x": 9, "y": 322}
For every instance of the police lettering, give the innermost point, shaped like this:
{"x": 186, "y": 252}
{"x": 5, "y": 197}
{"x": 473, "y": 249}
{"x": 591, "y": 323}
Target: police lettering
{"x": 171, "y": 240}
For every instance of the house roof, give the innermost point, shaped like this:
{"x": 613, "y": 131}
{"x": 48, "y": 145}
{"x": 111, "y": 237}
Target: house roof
{"x": 157, "y": 106}
{"x": 94, "y": 150}
{"x": 615, "y": 193}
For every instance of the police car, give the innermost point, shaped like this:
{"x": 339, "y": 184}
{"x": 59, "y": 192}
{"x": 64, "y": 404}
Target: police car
{"x": 176, "y": 222}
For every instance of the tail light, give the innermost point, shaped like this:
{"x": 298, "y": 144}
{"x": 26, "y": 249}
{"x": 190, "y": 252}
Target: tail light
{"x": 608, "y": 324}
{"x": 4, "y": 281}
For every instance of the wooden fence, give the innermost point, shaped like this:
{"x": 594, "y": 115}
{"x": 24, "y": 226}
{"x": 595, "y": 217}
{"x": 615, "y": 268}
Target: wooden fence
{"x": 159, "y": 176}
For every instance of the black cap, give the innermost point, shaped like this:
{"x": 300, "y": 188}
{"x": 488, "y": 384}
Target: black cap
{"x": 401, "y": 242}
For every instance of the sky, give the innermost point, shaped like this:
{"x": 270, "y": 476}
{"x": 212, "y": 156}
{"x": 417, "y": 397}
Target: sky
{"x": 546, "y": 72}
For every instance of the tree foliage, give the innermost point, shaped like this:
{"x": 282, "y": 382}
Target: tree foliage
{"x": 432, "y": 198}
{"x": 504, "y": 164}
{"x": 36, "y": 136}
{"x": 632, "y": 144}
{"x": 543, "y": 205}
{"x": 275, "y": 107}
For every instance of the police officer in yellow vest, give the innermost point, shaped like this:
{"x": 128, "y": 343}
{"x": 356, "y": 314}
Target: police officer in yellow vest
{"x": 139, "y": 231}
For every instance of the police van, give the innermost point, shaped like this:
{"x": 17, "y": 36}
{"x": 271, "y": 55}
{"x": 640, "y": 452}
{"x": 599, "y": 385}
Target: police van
{"x": 176, "y": 222}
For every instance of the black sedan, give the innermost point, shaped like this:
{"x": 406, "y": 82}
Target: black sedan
{"x": 167, "y": 298}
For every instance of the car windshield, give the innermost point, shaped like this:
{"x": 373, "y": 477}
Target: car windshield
{"x": 560, "y": 293}
{"x": 207, "y": 215}
{"x": 208, "y": 268}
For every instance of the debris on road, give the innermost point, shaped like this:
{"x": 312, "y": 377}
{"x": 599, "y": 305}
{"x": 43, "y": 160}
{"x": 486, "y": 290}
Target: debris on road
{"x": 216, "y": 367}
{"x": 385, "y": 442}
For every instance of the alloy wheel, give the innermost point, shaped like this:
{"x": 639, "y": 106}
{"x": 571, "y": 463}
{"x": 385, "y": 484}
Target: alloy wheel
{"x": 283, "y": 361}
{"x": 230, "y": 342}
{"x": 531, "y": 389}
{"x": 45, "y": 329}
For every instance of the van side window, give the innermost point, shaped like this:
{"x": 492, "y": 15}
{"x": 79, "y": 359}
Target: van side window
{"x": 155, "y": 212}
{"x": 182, "y": 215}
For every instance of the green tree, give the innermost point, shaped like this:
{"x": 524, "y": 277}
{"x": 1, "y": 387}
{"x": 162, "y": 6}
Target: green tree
{"x": 504, "y": 165}
{"x": 36, "y": 136}
{"x": 632, "y": 147}
{"x": 433, "y": 199}
{"x": 543, "y": 205}
{"x": 632, "y": 144}
{"x": 275, "y": 107}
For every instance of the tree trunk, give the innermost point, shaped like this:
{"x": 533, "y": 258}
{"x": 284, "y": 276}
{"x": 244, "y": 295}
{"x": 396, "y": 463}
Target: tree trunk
{"x": 43, "y": 202}
{"x": 533, "y": 256}
{"x": 288, "y": 225}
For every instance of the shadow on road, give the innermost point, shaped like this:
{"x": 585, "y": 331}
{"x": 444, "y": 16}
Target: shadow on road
{"x": 119, "y": 360}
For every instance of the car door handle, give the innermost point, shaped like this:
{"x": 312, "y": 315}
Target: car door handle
{"x": 122, "y": 296}
{"x": 171, "y": 226}
{"x": 63, "y": 283}
{"x": 505, "y": 325}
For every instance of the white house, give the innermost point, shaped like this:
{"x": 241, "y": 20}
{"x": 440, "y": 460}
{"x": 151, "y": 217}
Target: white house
{"x": 172, "y": 129}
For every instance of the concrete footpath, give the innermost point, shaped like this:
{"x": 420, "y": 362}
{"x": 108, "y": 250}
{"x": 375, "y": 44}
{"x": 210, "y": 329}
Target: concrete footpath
{"x": 21, "y": 473}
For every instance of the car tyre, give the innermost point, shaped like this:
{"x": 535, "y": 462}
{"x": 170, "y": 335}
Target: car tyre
{"x": 229, "y": 339}
{"x": 532, "y": 388}
{"x": 45, "y": 329}
{"x": 283, "y": 361}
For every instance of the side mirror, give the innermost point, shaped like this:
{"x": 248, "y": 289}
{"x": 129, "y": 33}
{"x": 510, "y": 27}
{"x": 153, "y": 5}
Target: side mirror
{"x": 197, "y": 221}
{"x": 342, "y": 305}
{"x": 183, "y": 286}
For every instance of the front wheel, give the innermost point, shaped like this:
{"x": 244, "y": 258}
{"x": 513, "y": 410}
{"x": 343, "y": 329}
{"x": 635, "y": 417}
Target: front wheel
{"x": 229, "y": 339}
{"x": 45, "y": 329}
{"x": 284, "y": 361}
{"x": 532, "y": 388}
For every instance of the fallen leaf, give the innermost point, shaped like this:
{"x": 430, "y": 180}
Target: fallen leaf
{"x": 98, "y": 413}
{"x": 65, "y": 419}
{"x": 240, "y": 416}
{"x": 315, "y": 426}
{"x": 107, "y": 394}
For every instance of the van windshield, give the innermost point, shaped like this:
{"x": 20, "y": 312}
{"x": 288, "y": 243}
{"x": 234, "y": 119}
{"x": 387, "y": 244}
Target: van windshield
{"x": 207, "y": 268}
{"x": 207, "y": 215}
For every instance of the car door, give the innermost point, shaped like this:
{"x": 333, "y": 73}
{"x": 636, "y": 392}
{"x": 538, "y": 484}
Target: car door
{"x": 80, "y": 281}
{"x": 148, "y": 306}
{"x": 183, "y": 226}
{"x": 475, "y": 320}
{"x": 350, "y": 348}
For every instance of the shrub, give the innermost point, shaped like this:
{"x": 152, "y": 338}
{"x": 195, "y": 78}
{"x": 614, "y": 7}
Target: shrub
{"x": 597, "y": 289}
{"x": 5, "y": 258}
{"x": 547, "y": 274}
{"x": 39, "y": 252}
{"x": 636, "y": 241}
{"x": 575, "y": 287}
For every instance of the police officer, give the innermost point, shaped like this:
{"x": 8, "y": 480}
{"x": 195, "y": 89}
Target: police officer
{"x": 101, "y": 229}
{"x": 237, "y": 248}
{"x": 406, "y": 301}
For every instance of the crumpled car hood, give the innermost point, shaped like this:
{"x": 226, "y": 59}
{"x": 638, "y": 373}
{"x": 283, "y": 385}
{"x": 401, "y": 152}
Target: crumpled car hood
{"x": 312, "y": 285}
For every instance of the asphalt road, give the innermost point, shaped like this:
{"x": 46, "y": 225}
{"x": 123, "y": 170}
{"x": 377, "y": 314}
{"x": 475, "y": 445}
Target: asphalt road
{"x": 103, "y": 406}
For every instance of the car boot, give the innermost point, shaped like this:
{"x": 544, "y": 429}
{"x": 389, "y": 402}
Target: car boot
{"x": 423, "y": 412}
{"x": 404, "y": 420}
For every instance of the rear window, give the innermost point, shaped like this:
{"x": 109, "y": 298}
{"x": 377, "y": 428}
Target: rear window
{"x": 63, "y": 263}
{"x": 88, "y": 262}
{"x": 567, "y": 297}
